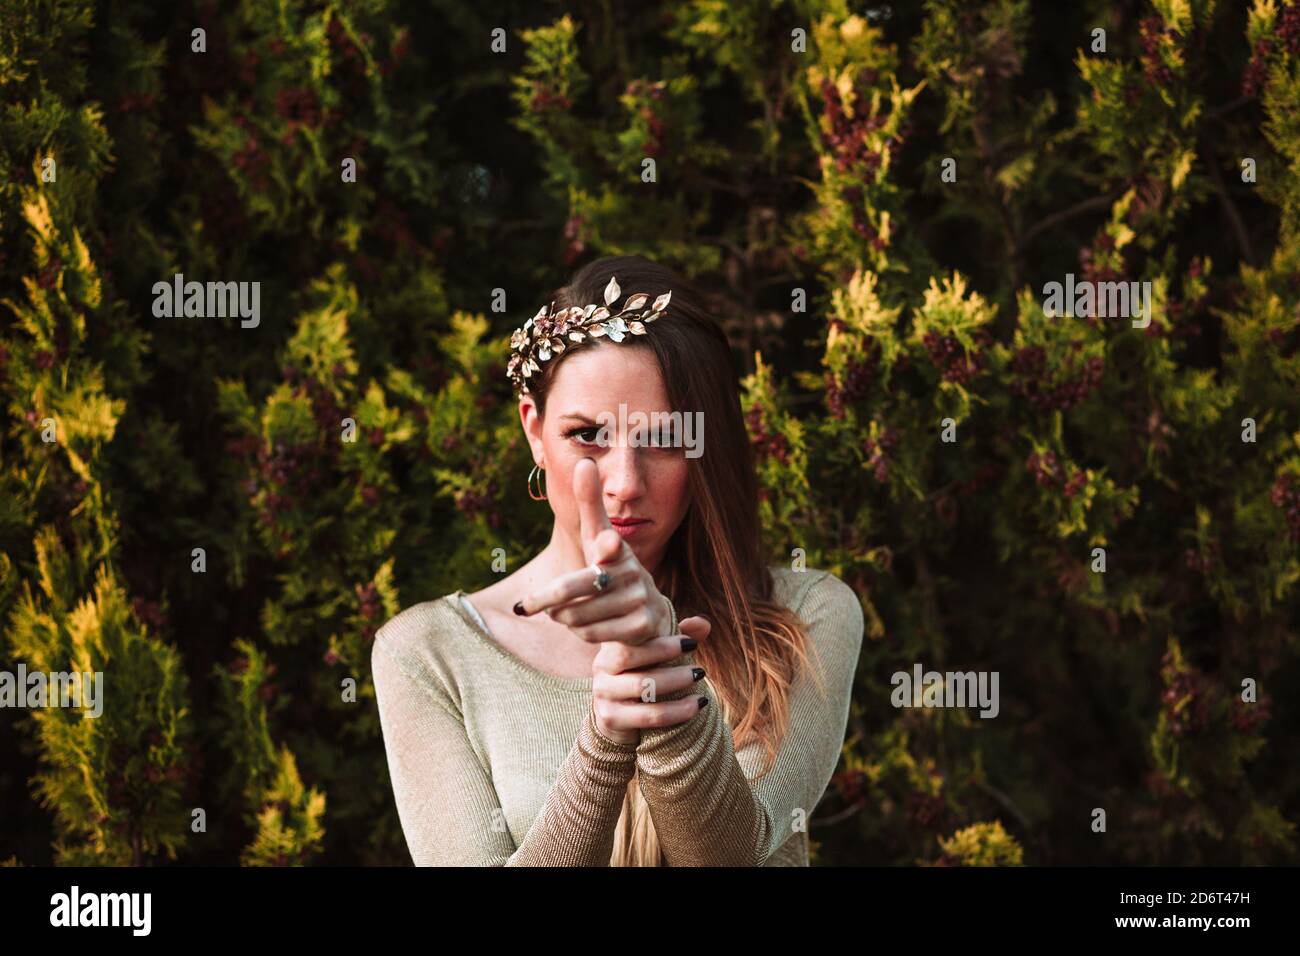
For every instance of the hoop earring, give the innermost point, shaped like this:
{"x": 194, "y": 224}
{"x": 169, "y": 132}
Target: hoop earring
{"x": 540, "y": 473}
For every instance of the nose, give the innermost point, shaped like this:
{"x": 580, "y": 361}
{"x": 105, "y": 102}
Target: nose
{"x": 623, "y": 478}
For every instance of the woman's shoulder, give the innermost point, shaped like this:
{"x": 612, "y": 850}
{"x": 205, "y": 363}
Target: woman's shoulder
{"x": 821, "y": 600}
{"x": 423, "y": 635}
{"x": 798, "y": 587}
{"x": 415, "y": 618}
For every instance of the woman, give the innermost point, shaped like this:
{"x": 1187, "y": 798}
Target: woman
{"x": 562, "y": 716}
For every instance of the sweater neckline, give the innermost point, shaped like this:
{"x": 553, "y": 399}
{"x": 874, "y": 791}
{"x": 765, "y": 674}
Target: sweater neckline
{"x": 574, "y": 684}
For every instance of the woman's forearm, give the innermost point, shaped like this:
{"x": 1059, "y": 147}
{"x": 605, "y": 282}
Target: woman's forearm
{"x": 704, "y": 810}
{"x": 576, "y": 825}
{"x": 712, "y": 807}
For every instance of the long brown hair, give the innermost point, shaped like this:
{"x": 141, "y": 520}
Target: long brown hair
{"x": 714, "y": 564}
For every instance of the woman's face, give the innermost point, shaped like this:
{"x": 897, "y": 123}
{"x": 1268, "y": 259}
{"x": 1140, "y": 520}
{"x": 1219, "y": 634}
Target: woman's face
{"x": 640, "y": 477}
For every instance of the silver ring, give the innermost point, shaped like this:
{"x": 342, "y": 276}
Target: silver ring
{"x": 602, "y": 578}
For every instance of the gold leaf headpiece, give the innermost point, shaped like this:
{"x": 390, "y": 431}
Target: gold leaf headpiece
{"x": 549, "y": 333}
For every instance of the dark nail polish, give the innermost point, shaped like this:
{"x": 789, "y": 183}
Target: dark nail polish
{"x": 519, "y": 608}
{"x": 689, "y": 644}
{"x": 697, "y": 673}
{"x": 704, "y": 702}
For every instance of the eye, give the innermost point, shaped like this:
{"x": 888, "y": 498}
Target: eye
{"x": 665, "y": 436}
{"x": 581, "y": 430}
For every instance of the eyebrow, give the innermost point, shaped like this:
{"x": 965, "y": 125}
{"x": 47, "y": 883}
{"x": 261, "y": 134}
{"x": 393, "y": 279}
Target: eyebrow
{"x": 577, "y": 417}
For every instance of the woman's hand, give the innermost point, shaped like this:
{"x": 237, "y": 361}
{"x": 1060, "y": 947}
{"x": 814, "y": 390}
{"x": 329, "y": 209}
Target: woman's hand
{"x": 629, "y": 618}
{"x": 630, "y": 608}
{"x": 626, "y": 686}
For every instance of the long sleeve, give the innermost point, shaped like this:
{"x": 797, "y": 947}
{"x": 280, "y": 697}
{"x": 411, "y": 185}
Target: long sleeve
{"x": 707, "y": 809}
{"x": 446, "y": 801}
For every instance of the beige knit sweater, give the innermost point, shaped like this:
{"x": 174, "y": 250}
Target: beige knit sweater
{"x": 496, "y": 763}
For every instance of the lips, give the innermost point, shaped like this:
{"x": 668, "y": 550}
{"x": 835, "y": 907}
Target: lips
{"x": 630, "y": 529}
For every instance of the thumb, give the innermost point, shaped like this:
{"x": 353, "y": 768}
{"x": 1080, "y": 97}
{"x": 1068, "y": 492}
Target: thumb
{"x": 607, "y": 548}
{"x": 696, "y": 627}
{"x": 592, "y": 519}
{"x": 601, "y": 544}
